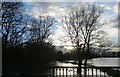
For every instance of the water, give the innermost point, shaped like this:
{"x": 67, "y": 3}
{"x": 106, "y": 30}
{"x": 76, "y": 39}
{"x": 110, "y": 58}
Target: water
{"x": 105, "y": 61}
{"x": 66, "y": 64}
{"x": 70, "y": 71}
{"x": 95, "y": 62}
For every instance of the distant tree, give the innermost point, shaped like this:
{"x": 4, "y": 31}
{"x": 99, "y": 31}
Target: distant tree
{"x": 60, "y": 55}
{"x": 39, "y": 31}
{"x": 82, "y": 27}
{"x": 71, "y": 55}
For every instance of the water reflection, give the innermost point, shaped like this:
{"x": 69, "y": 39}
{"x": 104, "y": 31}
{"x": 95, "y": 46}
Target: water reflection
{"x": 64, "y": 64}
{"x": 71, "y": 71}
{"x": 95, "y": 62}
{"x": 105, "y": 61}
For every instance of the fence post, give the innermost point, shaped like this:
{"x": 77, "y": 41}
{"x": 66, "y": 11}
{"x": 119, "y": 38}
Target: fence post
{"x": 96, "y": 72}
{"x": 92, "y": 71}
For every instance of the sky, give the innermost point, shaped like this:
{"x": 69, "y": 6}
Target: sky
{"x": 59, "y": 9}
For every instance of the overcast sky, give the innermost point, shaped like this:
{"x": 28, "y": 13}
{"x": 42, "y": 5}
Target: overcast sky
{"x": 59, "y": 9}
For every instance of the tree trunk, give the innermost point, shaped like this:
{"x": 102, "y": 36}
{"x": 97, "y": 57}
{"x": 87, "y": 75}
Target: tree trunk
{"x": 85, "y": 69}
{"x": 86, "y": 57}
{"x": 79, "y": 68}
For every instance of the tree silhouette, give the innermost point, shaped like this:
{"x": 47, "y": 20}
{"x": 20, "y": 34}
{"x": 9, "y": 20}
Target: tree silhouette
{"x": 12, "y": 27}
{"x": 23, "y": 36}
{"x": 82, "y": 28}
{"x": 40, "y": 28}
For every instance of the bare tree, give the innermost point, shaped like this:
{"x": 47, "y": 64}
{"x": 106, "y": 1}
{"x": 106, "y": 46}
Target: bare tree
{"x": 15, "y": 28}
{"x": 41, "y": 28}
{"x": 12, "y": 26}
{"x": 82, "y": 28}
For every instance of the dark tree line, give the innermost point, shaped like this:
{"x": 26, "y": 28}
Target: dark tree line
{"x": 23, "y": 35}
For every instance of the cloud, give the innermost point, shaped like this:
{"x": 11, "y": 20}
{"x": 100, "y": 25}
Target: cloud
{"x": 70, "y": 0}
{"x": 41, "y": 7}
{"x": 59, "y": 9}
{"x": 115, "y": 8}
{"x": 112, "y": 33}
{"x": 55, "y": 7}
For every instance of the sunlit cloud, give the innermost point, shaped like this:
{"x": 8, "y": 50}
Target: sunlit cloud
{"x": 58, "y": 10}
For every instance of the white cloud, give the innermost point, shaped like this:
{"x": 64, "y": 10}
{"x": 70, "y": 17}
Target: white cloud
{"x": 70, "y": 0}
{"x": 112, "y": 32}
{"x": 115, "y": 8}
{"x": 58, "y": 10}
